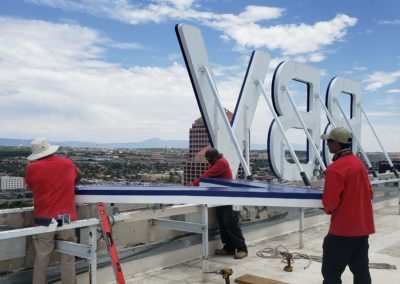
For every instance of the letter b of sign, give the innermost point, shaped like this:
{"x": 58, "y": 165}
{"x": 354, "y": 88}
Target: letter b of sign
{"x": 286, "y": 72}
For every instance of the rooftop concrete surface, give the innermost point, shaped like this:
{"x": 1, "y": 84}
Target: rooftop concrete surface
{"x": 384, "y": 248}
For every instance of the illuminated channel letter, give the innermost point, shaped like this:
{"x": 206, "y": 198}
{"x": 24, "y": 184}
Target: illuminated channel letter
{"x": 338, "y": 88}
{"x": 286, "y": 72}
{"x": 231, "y": 139}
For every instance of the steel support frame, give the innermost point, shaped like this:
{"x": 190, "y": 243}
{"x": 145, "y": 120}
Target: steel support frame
{"x": 88, "y": 252}
{"x": 198, "y": 228}
{"x": 282, "y": 130}
{"x": 225, "y": 120}
{"x": 72, "y": 248}
{"x": 179, "y": 225}
{"x": 301, "y": 228}
{"x": 85, "y": 251}
{"x": 204, "y": 238}
{"x": 398, "y": 189}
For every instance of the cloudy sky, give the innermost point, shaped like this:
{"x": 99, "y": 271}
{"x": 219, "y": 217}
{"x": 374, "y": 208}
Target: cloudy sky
{"x": 112, "y": 71}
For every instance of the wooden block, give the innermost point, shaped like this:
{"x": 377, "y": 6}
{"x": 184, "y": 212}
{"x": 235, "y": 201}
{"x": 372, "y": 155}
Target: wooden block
{"x": 253, "y": 279}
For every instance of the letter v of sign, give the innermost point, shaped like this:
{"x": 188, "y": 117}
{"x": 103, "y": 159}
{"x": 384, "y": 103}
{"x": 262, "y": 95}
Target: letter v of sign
{"x": 232, "y": 138}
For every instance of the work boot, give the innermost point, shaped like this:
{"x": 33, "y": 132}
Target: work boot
{"x": 240, "y": 254}
{"x": 223, "y": 251}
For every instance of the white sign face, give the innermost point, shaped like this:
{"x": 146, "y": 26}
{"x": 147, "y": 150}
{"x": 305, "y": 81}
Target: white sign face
{"x": 338, "y": 87}
{"x": 196, "y": 59}
{"x": 220, "y": 133}
{"x": 286, "y": 72}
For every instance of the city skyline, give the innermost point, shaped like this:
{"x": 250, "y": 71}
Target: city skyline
{"x": 112, "y": 71}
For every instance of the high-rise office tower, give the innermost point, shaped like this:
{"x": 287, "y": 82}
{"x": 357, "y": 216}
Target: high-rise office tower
{"x": 198, "y": 144}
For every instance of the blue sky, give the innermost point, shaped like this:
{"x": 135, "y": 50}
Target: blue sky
{"x": 112, "y": 71}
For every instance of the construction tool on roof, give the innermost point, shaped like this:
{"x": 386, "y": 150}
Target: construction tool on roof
{"x": 226, "y": 272}
{"x": 288, "y": 257}
{"x": 281, "y": 252}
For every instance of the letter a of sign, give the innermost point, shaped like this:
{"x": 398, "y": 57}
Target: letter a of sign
{"x": 215, "y": 120}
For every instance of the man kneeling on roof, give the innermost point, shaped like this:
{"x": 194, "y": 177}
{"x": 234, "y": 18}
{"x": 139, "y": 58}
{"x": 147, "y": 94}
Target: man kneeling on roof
{"x": 228, "y": 219}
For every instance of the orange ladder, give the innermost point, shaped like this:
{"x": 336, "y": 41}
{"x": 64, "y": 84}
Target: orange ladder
{"x": 105, "y": 224}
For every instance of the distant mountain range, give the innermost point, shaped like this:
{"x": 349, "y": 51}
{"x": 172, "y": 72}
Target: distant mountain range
{"x": 149, "y": 143}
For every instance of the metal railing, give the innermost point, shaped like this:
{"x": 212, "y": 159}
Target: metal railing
{"x": 89, "y": 251}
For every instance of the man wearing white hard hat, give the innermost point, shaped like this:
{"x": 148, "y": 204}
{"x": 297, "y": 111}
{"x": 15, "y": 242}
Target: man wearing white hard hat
{"x": 347, "y": 198}
{"x": 52, "y": 180}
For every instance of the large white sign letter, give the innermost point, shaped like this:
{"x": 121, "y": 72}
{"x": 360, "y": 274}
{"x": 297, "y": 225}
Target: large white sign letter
{"x": 286, "y": 72}
{"x": 196, "y": 59}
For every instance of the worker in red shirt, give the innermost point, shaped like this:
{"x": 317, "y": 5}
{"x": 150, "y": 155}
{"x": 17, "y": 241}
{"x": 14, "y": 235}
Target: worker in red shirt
{"x": 347, "y": 198}
{"x": 228, "y": 219}
{"x": 52, "y": 180}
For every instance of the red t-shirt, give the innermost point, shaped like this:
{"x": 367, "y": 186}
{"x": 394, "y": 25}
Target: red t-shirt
{"x": 347, "y": 197}
{"x": 219, "y": 169}
{"x": 52, "y": 181}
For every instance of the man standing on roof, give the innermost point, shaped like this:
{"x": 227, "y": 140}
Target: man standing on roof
{"x": 228, "y": 219}
{"x": 52, "y": 180}
{"x": 347, "y": 198}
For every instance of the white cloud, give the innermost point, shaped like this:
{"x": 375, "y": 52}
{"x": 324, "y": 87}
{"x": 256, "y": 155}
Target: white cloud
{"x": 54, "y": 84}
{"x": 359, "y": 68}
{"x": 317, "y": 57}
{"x": 126, "y": 45}
{"x": 180, "y": 4}
{"x": 161, "y": 10}
{"x": 22, "y": 43}
{"x": 387, "y": 102}
{"x": 252, "y": 14}
{"x": 376, "y": 114}
{"x": 174, "y": 56}
{"x": 290, "y": 39}
{"x": 385, "y": 133}
{"x": 389, "y": 22}
{"x": 244, "y": 28}
{"x": 355, "y": 69}
{"x": 394, "y": 91}
{"x": 379, "y": 79}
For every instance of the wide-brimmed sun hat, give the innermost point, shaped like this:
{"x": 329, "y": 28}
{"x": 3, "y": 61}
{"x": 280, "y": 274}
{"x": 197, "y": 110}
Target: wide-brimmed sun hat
{"x": 41, "y": 148}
